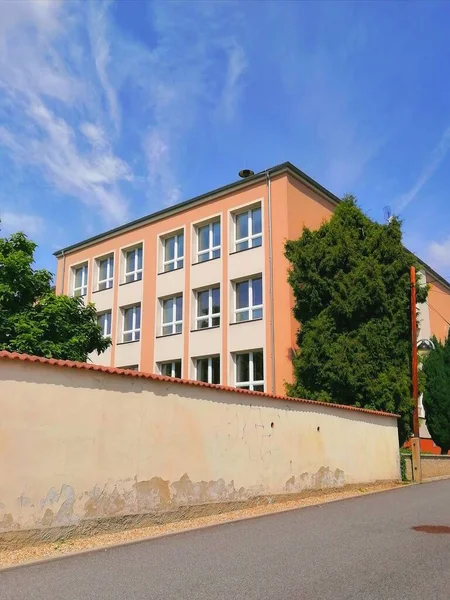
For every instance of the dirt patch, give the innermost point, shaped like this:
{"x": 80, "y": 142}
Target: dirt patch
{"x": 11, "y": 556}
{"x": 432, "y": 528}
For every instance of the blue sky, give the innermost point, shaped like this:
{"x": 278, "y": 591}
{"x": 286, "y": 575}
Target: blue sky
{"x": 112, "y": 110}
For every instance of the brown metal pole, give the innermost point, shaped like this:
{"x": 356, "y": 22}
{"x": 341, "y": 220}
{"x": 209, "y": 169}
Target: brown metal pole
{"x": 414, "y": 365}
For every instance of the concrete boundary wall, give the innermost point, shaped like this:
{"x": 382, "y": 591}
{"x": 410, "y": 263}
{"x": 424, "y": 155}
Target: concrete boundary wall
{"x": 83, "y": 445}
{"x": 433, "y": 465}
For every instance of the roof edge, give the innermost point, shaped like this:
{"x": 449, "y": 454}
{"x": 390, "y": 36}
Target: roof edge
{"x": 285, "y": 167}
{"x": 68, "y": 364}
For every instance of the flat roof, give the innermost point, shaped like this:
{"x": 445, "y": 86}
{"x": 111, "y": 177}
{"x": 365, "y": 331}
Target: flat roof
{"x": 286, "y": 167}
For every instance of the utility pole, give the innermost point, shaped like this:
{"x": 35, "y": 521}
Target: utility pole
{"x": 415, "y": 442}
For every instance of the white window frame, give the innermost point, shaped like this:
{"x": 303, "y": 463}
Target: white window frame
{"x": 109, "y": 280}
{"x": 251, "y": 236}
{"x": 102, "y": 314}
{"x": 134, "y": 330}
{"x": 210, "y": 371}
{"x": 210, "y": 316}
{"x": 176, "y": 256}
{"x": 252, "y": 382}
{"x": 251, "y": 307}
{"x": 173, "y": 324}
{"x": 211, "y": 248}
{"x": 136, "y": 272}
{"x": 84, "y": 280}
{"x": 172, "y": 367}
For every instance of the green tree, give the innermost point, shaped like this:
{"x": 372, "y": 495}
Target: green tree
{"x": 350, "y": 280}
{"x": 33, "y": 320}
{"x": 436, "y": 396}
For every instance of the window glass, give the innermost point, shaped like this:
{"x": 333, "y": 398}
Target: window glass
{"x": 242, "y": 367}
{"x": 203, "y": 238}
{"x": 215, "y": 369}
{"x": 258, "y": 366}
{"x": 128, "y": 319}
{"x": 170, "y": 248}
{"x": 178, "y": 369}
{"x": 202, "y": 369}
{"x": 130, "y": 261}
{"x": 103, "y": 269}
{"x": 167, "y": 310}
{"x": 256, "y": 221}
{"x": 180, "y": 245}
{"x": 216, "y": 233}
{"x": 139, "y": 258}
{"x": 241, "y": 225}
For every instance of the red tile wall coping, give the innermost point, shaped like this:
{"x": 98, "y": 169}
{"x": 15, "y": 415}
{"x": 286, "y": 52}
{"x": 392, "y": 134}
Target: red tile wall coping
{"x": 154, "y": 377}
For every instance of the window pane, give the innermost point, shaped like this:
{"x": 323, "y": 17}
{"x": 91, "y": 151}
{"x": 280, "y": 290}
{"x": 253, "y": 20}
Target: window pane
{"x": 215, "y": 321}
{"x": 130, "y": 261}
{"x": 138, "y": 276}
{"x": 127, "y": 337}
{"x": 178, "y": 327}
{"x": 258, "y": 313}
{"x": 202, "y": 369}
{"x": 242, "y": 316}
{"x": 78, "y": 277}
{"x": 202, "y": 303}
{"x": 129, "y": 278}
{"x": 103, "y": 269}
{"x": 180, "y": 264}
{"x": 256, "y": 242}
{"x": 137, "y": 336}
{"x": 166, "y": 369}
{"x": 258, "y": 366}
{"x": 169, "y": 267}
{"x": 256, "y": 220}
{"x": 168, "y": 311}
{"x": 128, "y": 319}
{"x": 179, "y": 308}
{"x": 169, "y": 245}
{"x": 108, "y": 323}
{"x": 216, "y": 233}
{"x": 102, "y": 286}
{"x": 216, "y": 253}
{"x": 258, "y": 388}
{"x": 242, "y": 294}
{"x": 178, "y": 369}
{"x": 203, "y": 324}
{"x": 167, "y": 330}
{"x": 138, "y": 317}
{"x": 241, "y": 225}
{"x": 203, "y": 257}
{"x": 241, "y": 246}
{"x": 215, "y": 369}
{"x": 257, "y": 291}
{"x": 139, "y": 259}
{"x": 215, "y": 300}
{"x": 203, "y": 237}
{"x": 242, "y": 368}
{"x": 180, "y": 246}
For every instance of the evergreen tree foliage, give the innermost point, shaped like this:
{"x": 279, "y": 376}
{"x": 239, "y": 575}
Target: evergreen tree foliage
{"x": 436, "y": 396}
{"x": 350, "y": 280}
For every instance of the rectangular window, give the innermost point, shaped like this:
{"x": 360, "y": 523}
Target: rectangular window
{"x": 130, "y": 367}
{"x": 250, "y": 370}
{"x": 104, "y": 320}
{"x": 249, "y": 302}
{"x": 172, "y": 315}
{"x": 208, "y": 241}
{"x": 80, "y": 280}
{"x": 173, "y": 252}
{"x": 208, "y": 369}
{"x": 132, "y": 323}
{"x": 248, "y": 229}
{"x": 133, "y": 265}
{"x": 171, "y": 368}
{"x": 105, "y": 273}
{"x": 208, "y": 308}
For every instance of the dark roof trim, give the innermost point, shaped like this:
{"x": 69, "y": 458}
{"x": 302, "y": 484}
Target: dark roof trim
{"x": 286, "y": 167}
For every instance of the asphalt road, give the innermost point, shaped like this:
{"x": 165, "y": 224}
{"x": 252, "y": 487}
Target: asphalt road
{"x": 363, "y": 548}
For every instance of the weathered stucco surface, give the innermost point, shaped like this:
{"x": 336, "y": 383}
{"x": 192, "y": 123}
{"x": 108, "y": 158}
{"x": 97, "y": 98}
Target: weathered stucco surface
{"x": 78, "y": 446}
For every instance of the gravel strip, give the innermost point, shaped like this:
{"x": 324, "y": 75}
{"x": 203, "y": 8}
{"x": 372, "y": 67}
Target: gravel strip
{"x": 76, "y": 544}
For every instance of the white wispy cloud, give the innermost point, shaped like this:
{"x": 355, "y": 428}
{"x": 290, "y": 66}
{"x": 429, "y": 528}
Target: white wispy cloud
{"x": 11, "y": 222}
{"x": 45, "y": 97}
{"x": 437, "y": 157}
{"x": 439, "y": 254}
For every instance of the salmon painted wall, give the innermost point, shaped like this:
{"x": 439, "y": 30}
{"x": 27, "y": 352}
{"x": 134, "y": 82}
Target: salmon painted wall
{"x": 149, "y": 234}
{"x": 439, "y": 309}
{"x": 304, "y": 208}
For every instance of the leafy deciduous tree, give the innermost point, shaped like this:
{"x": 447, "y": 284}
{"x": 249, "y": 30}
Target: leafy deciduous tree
{"x": 33, "y": 319}
{"x": 350, "y": 280}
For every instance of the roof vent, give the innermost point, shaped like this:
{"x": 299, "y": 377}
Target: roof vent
{"x": 246, "y": 173}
